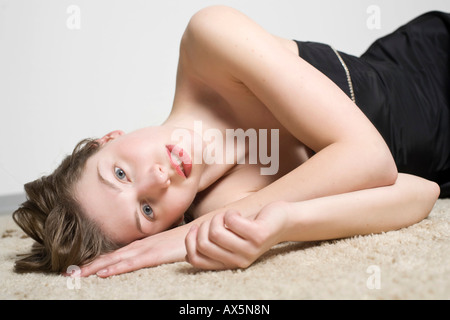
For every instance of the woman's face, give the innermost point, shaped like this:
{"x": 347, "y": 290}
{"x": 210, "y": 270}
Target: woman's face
{"x": 133, "y": 187}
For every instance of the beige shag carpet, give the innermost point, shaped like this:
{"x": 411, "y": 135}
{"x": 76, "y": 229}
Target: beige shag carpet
{"x": 412, "y": 263}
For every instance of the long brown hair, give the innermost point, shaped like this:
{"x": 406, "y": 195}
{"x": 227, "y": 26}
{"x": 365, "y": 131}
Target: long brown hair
{"x": 52, "y": 216}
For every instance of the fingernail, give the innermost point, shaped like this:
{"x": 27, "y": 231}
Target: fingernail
{"x": 103, "y": 272}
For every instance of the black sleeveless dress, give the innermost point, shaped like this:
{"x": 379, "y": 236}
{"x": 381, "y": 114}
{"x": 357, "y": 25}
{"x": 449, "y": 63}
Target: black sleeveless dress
{"x": 402, "y": 84}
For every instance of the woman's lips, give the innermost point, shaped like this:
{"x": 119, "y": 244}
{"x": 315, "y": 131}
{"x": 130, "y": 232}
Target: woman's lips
{"x": 180, "y": 160}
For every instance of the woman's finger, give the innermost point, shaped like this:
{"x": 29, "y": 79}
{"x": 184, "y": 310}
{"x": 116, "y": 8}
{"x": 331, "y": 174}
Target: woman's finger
{"x": 99, "y": 263}
{"x": 123, "y": 266}
{"x": 216, "y": 250}
{"x": 240, "y": 225}
{"x": 225, "y": 238}
{"x": 196, "y": 258}
{"x": 117, "y": 263}
{"x": 109, "y": 259}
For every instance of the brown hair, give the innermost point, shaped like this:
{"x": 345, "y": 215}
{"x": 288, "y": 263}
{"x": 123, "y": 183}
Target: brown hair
{"x": 52, "y": 216}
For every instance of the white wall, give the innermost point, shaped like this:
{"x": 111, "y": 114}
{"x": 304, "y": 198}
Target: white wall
{"x": 117, "y": 71}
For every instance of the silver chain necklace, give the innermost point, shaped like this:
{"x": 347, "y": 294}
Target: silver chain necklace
{"x": 347, "y": 73}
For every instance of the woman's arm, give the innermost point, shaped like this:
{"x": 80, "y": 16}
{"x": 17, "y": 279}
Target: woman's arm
{"x": 221, "y": 43}
{"x": 225, "y": 239}
{"x": 376, "y": 210}
{"x": 230, "y": 240}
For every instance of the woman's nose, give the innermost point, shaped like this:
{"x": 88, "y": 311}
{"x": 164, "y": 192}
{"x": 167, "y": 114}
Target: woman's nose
{"x": 155, "y": 180}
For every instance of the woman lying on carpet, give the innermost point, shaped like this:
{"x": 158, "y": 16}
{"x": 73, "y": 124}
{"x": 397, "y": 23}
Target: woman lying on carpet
{"x": 339, "y": 128}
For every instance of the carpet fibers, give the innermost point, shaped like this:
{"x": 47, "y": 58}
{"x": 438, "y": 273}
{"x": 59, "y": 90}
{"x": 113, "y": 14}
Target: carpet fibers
{"x": 411, "y": 263}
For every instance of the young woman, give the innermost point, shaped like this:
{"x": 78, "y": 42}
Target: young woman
{"x": 344, "y": 125}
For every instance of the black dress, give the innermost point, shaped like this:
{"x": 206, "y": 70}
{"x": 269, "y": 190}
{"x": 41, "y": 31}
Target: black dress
{"x": 402, "y": 84}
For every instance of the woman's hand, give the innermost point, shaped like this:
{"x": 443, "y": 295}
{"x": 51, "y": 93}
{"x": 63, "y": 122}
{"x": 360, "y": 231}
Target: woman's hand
{"x": 165, "y": 247}
{"x": 230, "y": 241}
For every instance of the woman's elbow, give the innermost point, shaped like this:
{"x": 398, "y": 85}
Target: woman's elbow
{"x": 427, "y": 193}
{"x": 419, "y": 194}
{"x": 388, "y": 170}
{"x": 433, "y": 191}
{"x": 382, "y": 169}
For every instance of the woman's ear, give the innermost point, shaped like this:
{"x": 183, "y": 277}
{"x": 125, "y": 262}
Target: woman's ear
{"x": 110, "y": 136}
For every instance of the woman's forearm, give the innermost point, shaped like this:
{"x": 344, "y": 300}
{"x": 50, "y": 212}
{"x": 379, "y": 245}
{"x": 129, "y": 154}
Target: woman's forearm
{"x": 327, "y": 173}
{"x": 368, "y": 211}
{"x": 407, "y": 201}
{"x": 230, "y": 240}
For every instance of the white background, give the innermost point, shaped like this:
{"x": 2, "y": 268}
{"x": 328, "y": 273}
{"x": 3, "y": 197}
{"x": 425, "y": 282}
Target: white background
{"x": 117, "y": 71}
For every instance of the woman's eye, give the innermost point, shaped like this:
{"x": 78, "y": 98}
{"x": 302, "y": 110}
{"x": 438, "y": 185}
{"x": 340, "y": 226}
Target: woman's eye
{"x": 148, "y": 211}
{"x": 120, "y": 174}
